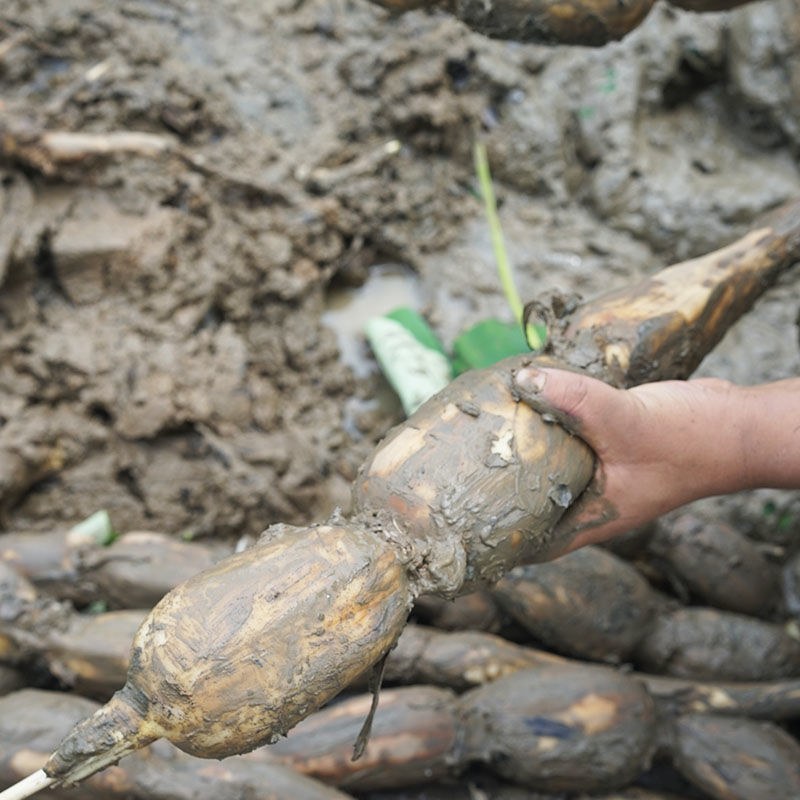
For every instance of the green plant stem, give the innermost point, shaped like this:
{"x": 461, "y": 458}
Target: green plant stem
{"x": 535, "y": 334}
{"x": 496, "y": 232}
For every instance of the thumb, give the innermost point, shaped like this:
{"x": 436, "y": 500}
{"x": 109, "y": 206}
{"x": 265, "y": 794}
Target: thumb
{"x": 583, "y": 405}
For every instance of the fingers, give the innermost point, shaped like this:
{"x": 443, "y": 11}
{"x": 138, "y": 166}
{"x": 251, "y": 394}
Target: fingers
{"x": 590, "y": 519}
{"x": 594, "y": 411}
{"x": 581, "y": 404}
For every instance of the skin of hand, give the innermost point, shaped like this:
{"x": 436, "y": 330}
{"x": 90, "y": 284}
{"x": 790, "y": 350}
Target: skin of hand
{"x": 661, "y": 445}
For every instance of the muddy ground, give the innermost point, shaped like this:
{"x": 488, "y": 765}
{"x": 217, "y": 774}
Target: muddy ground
{"x": 164, "y": 346}
{"x": 161, "y": 347}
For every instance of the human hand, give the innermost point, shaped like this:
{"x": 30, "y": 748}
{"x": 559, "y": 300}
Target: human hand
{"x": 658, "y": 445}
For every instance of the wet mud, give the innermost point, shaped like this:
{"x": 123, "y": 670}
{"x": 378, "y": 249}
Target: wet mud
{"x": 163, "y": 353}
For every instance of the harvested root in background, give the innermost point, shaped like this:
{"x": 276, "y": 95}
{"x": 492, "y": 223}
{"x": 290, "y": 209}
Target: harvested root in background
{"x": 529, "y": 727}
{"x": 32, "y": 722}
{"x": 705, "y": 643}
{"x": 460, "y": 660}
{"x": 134, "y": 571}
{"x": 717, "y": 565}
{"x": 473, "y": 611}
{"x": 588, "y": 603}
{"x": 89, "y": 653}
{"x": 584, "y": 22}
{"x": 737, "y": 759}
{"x": 533, "y": 728}
{"x": 489, "y": 788}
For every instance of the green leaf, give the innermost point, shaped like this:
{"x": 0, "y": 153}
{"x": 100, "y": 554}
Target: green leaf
{"x": 416, "y": 325}
{"x": 487, "y": 343}
{"x": 414, "y": 370}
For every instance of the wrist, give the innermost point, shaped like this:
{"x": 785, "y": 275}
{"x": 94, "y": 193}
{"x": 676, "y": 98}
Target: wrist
{"x": 726, "y": 441}
{"x": 750, "y": 437}
{"x": 771, "y": 435}
{"x": 707, "y": 441}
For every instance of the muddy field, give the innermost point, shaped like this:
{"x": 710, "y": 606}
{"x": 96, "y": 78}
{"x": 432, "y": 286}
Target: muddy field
{"x": 165, "y": 347}
{"x": 162, "y": 351}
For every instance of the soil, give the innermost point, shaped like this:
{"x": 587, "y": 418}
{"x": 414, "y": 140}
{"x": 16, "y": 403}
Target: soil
{"x": 162, "y": 349}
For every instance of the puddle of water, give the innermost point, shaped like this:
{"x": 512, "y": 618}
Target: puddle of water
{"x": 348, "y": 310}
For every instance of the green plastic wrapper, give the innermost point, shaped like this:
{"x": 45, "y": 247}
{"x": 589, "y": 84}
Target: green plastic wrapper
{"x": 410, "y": 356}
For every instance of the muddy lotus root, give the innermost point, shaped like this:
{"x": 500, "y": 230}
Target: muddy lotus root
{"x": 588, "y": 603}
{"x": 554, "y": 728}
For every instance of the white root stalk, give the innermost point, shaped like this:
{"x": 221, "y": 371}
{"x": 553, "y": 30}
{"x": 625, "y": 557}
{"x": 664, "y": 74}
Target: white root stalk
{"x": 66, "y": 146}
{"x": 27, "y": 786}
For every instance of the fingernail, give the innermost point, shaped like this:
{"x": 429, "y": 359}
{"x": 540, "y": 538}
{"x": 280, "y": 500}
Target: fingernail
{"x": 531, "y": 379}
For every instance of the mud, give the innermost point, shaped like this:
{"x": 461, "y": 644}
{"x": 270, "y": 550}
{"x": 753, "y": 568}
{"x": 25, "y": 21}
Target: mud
{"x": 162, "y": 346}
